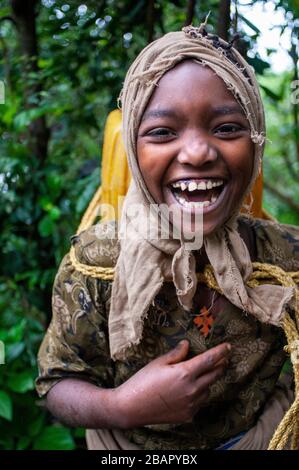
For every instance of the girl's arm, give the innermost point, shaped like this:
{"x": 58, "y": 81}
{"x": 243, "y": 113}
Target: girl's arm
{"x": 167, "y": 390}
{"x": 81, "y": 404}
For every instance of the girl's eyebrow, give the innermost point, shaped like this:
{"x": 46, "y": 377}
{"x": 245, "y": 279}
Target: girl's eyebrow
{"x": 219, "y": 110}
{"x": 227, "y": 109}
{"x": 158, "y": 113}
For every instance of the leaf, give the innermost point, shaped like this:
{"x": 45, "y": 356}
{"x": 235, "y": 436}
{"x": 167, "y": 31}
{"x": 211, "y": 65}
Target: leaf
{"x": 79, "y": 433}
{"x": 3, "y": 335}
{"x": 4, "y": 11}
{"x": 24, "y": 118}
{"x": 251, "y": 25}
{"x": 55, "y": 184}
{"x": 15, "y": 333}
{"x": 23, "y": 443}
{"x": 35, "y": 426}
{"x": 6, "y": 443}
{"x": 54, "y": 438}
{"x": 90, "y": 145}
{"x": 21, "y": 382}
{"x": 14, "y": 350}
{"x": 5, "y": 406}
{"x": 271, "y": 93}
{"x": 46, "y": 226}
{"x": 258, "y": 64}
{"x": 54, "y": 213}
{"x": 91, "y": 183}
{"x": 44, "y": 63}
{"x": 45, "y": 203}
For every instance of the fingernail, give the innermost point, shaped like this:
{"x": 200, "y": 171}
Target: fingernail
{"x": 228, "y": 346}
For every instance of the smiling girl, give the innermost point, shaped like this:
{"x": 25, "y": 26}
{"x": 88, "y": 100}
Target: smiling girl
{"x": 194, "y": 146}
{"x": 156, "y": 359}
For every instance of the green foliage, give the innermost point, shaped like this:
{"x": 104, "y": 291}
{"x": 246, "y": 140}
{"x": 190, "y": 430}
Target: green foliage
{"x": 281, "y": 166}
{"x": 54, "y": 438}
{"x": 83, "y": 56}
{"x": 5, "y": 406}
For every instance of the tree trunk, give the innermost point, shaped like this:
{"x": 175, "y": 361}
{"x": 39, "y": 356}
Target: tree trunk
{"x": 190, "y": 12}
{"x": 223, "y": 22}
{"x": 24, "y": 14}
{"x": 150, "y": 19}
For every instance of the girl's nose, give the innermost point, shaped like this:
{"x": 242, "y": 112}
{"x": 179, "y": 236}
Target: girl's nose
{"x": 197, "y": 152}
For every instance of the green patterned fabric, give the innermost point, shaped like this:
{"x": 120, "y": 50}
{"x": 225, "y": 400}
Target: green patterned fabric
{"x": 77, "y": 345}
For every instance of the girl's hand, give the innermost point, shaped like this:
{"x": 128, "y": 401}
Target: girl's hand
{"x": 170, "y": 389}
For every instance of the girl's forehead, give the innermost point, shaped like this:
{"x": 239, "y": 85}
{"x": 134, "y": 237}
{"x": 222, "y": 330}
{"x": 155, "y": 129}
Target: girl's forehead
{"x": 190, "y": 83}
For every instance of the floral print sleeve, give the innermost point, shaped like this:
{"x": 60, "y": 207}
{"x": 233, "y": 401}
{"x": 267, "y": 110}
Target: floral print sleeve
{"x": 76, "y": 343}
{"x": 277, "y": 244}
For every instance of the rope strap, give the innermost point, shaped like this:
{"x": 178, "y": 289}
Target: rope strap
{"x": 106, "y": 274}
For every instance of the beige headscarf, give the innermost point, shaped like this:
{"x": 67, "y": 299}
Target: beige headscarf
{"x": 144, "y": 264}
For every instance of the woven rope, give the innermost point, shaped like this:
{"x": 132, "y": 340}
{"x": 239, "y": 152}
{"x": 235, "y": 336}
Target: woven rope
{"x": 288, "y": 429}
{"x": 87, "y": 220}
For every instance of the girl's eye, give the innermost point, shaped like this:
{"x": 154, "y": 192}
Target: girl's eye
{"x": 228, "y": 129}
{"x": 161, "y": 132}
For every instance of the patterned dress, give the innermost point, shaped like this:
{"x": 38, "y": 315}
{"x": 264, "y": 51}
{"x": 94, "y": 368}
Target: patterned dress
{"x": 77, "y": 344}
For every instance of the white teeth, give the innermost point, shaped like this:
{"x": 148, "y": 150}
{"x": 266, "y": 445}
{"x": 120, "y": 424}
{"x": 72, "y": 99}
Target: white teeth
{"x": 200, "y": 204}
{"x": 217, "y": 183}
{"x": 203, "y": 185}
{"x": 183, "y": 186}
{"x": 192, "y": 186}
{"x": 194, "y": 204}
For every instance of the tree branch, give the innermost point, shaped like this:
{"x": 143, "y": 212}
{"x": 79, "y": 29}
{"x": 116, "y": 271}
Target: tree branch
{"x": 286, "y": 199}
{"x": 235, "y": 19}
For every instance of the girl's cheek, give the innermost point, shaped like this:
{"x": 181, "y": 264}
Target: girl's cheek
{"x": 241, "y": 158}
{"x": 151, "y": 160}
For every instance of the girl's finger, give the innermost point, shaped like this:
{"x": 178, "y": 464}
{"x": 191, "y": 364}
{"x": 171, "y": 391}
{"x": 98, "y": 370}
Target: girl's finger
{"x": 207, "y": 361}
{"x": 204, "y": 381}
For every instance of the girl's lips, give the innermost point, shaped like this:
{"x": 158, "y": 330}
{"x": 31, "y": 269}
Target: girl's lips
{"x": 205, "y": 209}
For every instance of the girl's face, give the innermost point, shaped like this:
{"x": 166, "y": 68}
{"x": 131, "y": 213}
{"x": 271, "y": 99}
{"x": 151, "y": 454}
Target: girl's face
{"x": 193, "y": 145}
